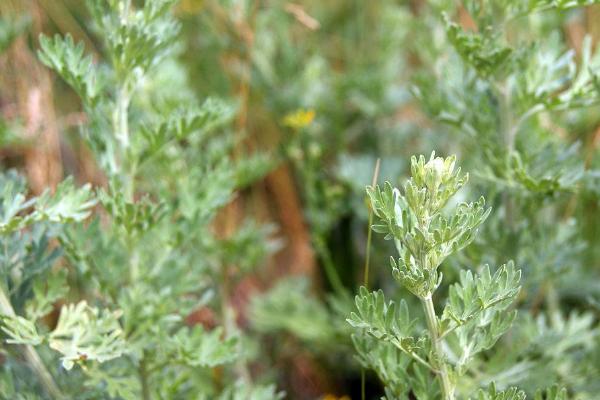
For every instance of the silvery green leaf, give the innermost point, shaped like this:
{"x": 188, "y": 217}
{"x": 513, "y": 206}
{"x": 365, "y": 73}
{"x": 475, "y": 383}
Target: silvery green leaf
{"x": 475, "y": 294}
{"x": 553, "y": 393}
{"x": 20, "y": 330}
{"x": 66, "y": 204}
{"x": 85, "y": 333}
{"x": 68, "y": 60}
{"x": 494, "y": 394}
{"x": 45, "y": 294}
{"x": 197, "y": 347}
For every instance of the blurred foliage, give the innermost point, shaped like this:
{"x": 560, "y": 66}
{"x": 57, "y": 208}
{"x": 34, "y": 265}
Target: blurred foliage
{"x": 189, "y": 104}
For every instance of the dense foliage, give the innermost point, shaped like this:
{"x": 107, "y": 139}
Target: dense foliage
{"x": 224, "y": 246}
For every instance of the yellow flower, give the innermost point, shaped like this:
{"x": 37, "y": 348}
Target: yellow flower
{"x": 190, "y": 6}
{"x": 299, "y": 118}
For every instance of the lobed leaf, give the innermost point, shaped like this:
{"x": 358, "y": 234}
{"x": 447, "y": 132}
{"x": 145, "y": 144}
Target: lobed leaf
{"x": 198, "y": 348}
{"x": 20, "y": 330}
{"x": 494, "y": 394}
{"x": 473, "y": 295}
{"x": 85, "y": 333}
{"x": 68, "y": 60}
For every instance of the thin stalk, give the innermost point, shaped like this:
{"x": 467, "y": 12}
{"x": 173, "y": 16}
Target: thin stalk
{"x": 121, "y": 118}
{"x": 31, "y": 356}
{"x": 508, "y": 132}
{"x": 363, "y": 389}
{"x": 366, "y": 271}
{"x": 228, "y": 318}
{"x": 553, "y": 304}
{"x": 127, "y": 168}
{"x": 441, "y": 367}
{"x": 143, "y": 373}
{"x": 414, "y": 356}
{"x": 330, "y": 271}
{"x": 121, "y": 128}
{"x": 318, "y": 235}
{"x": 369, "y": 230}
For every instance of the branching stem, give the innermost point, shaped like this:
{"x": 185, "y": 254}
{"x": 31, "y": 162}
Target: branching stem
{"x": 441, "y": 367}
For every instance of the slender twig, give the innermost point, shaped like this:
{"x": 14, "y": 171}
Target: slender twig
{"x": 524, "y": 117}
{"x": 143, "y": 373}
{"x": 363, "y": 384}
{"x": 332, "y": 276}
{"x": 369, "y": 230}
{"x": 415, "y": 356}
{"x": 121, "y": 130}
{"x": 31, "y": 356}
{"x": 367, "y": 263}
{"x": 393, "y": 340}
{"x": 508, "y": 135}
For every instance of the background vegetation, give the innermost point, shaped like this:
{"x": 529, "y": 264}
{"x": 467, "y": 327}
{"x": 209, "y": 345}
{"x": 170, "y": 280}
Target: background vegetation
{"x": 212, "y": 230}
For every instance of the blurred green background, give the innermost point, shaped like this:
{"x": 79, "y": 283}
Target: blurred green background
{"x": 326, "y": 88}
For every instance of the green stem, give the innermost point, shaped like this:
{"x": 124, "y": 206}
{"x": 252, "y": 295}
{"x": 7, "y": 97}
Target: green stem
{"x": 228, "y": 318}
{"x": 440, "y": 363}
{"x": 363, "y": 384}
{"x": 31, "y": 356}
{"x": 553, "y": 304}
{"x": 121, "y": 129}
{"x": 369, "y": 230}
{"x": 126, "y": 170}
{"x": 330, "y": 271}
{"x": 368, "y": 253}
{"x": 134, "y": 262}
{"x": 366, "y": 271}
{"x": 143, "y": 373}
{"x": 508, "y": 132}
{"x": 414, "y": 356}
{"x": 121, "y": 118}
